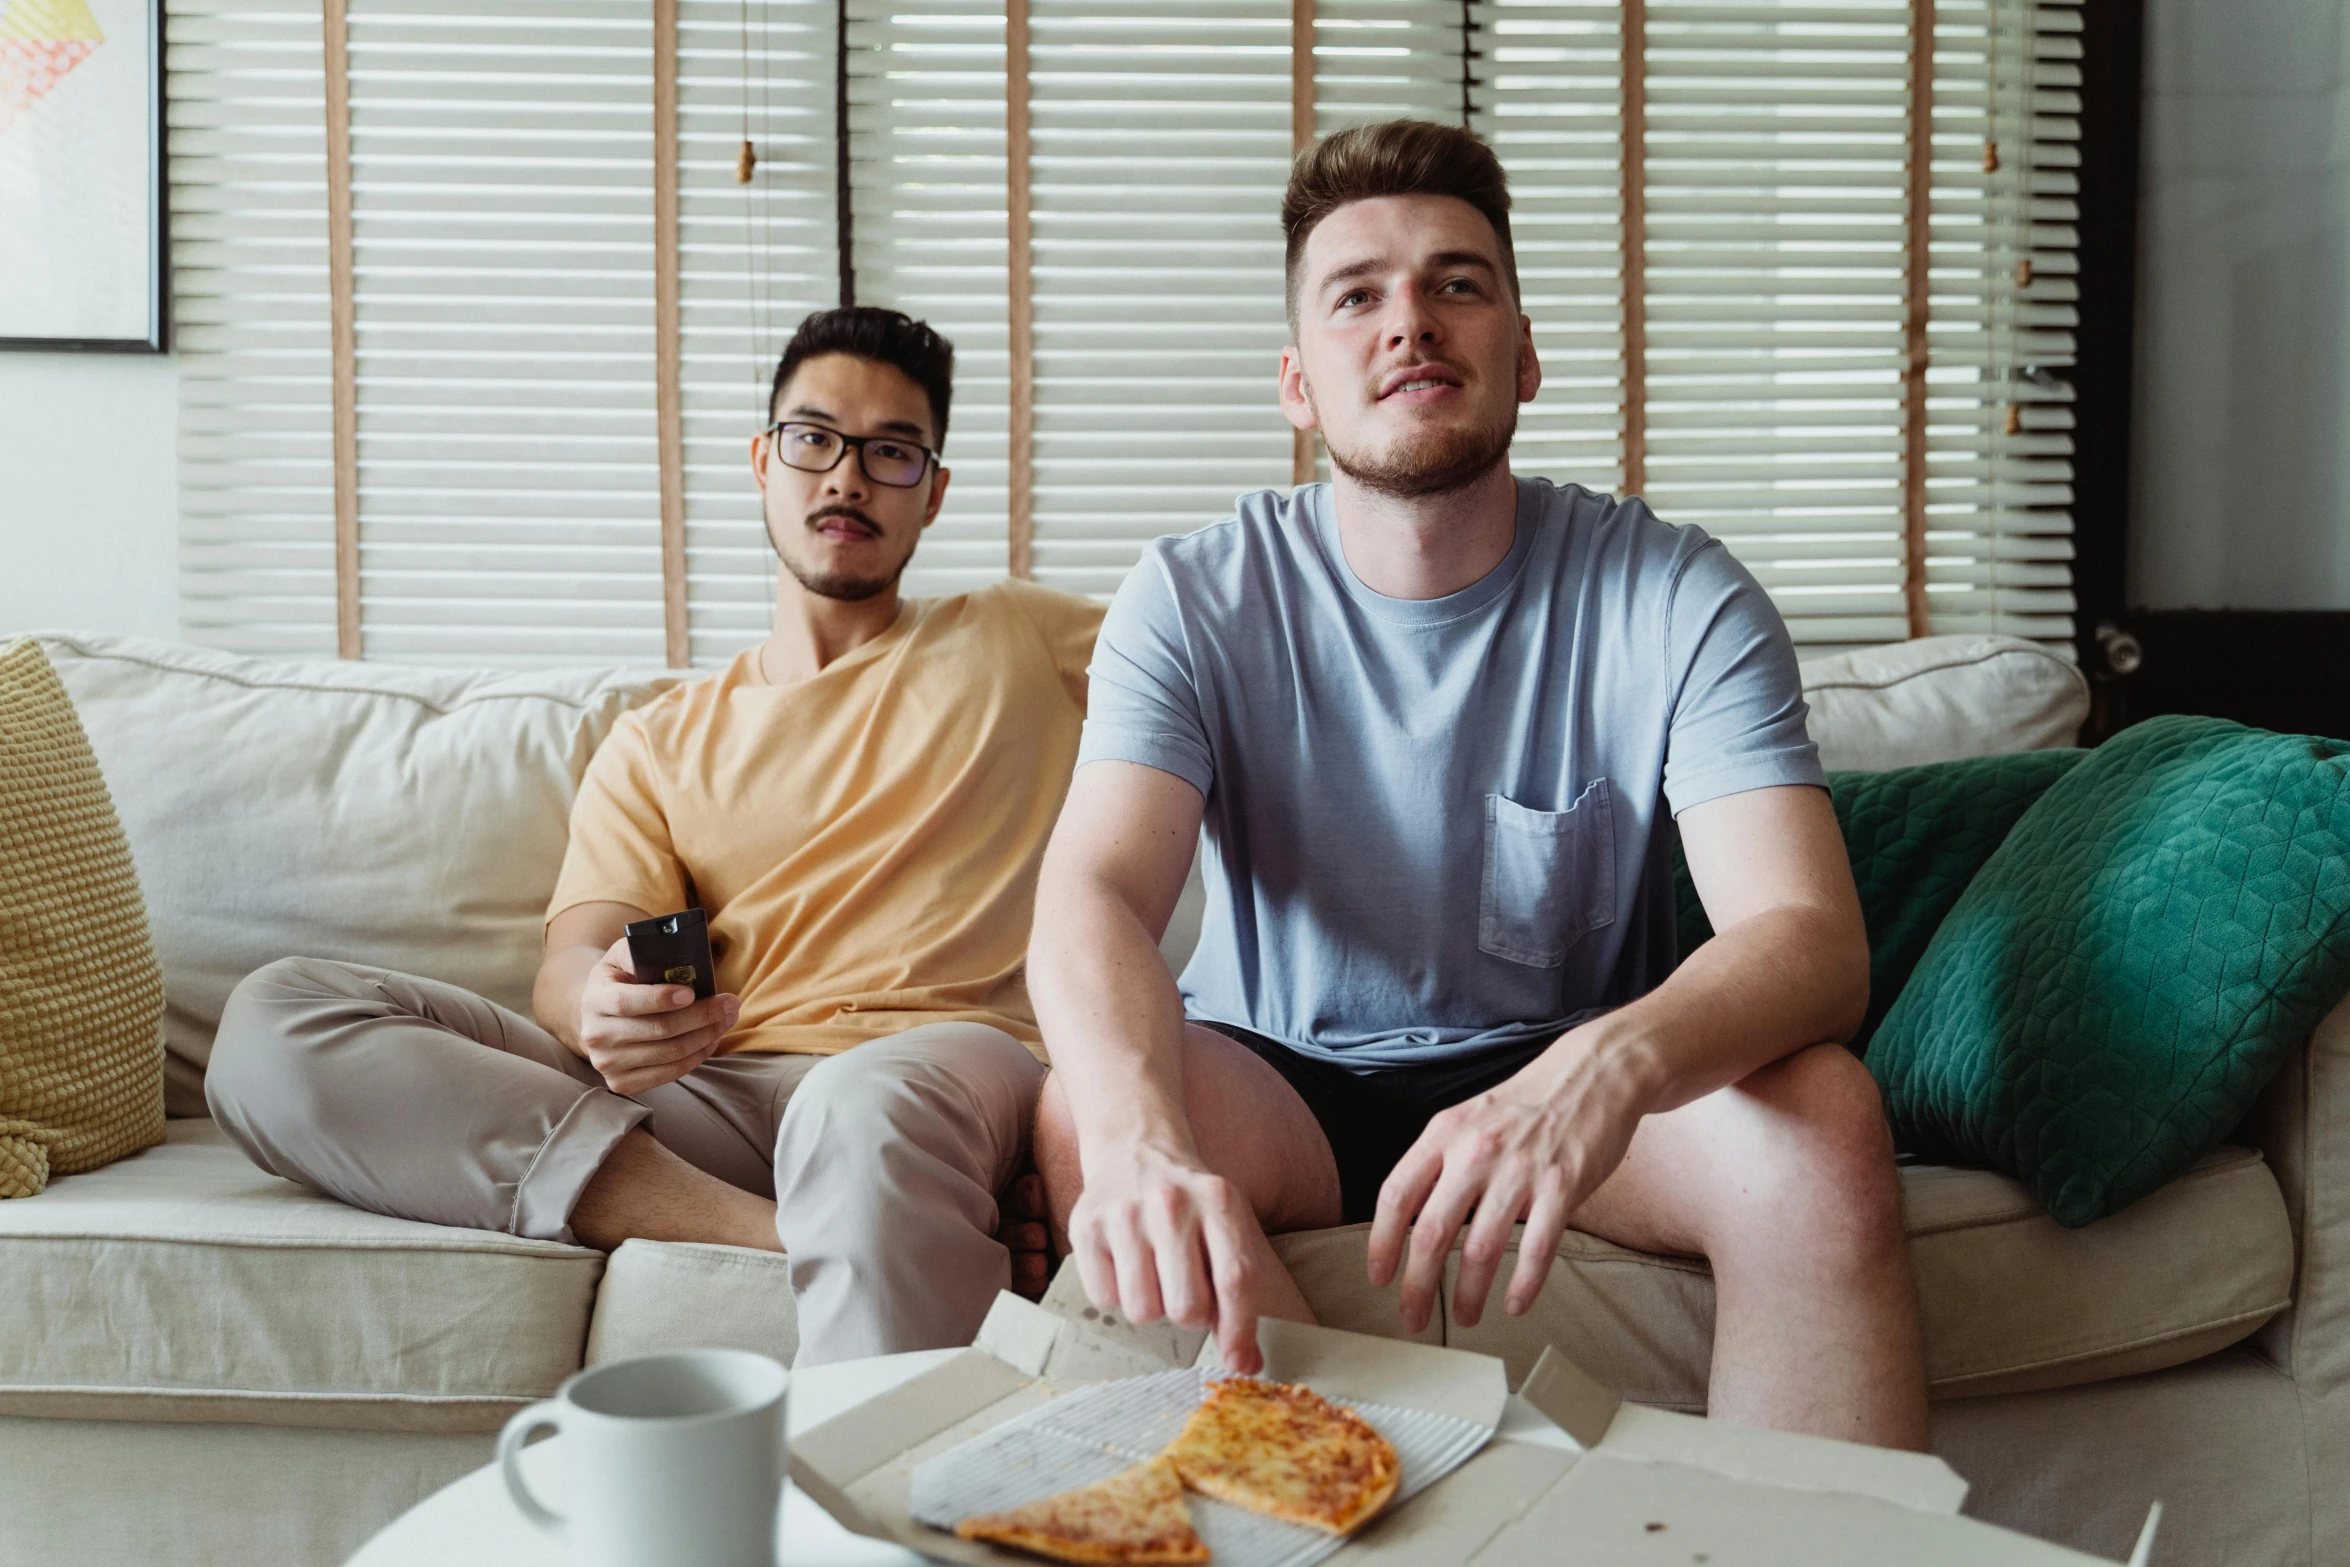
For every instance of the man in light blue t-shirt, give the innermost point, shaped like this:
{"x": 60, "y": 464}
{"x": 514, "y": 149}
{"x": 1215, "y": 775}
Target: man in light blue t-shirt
{"x": 1433, "y": 719}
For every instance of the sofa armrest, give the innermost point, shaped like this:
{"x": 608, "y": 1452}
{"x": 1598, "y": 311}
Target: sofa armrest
{"x": 2302, "y": 1125}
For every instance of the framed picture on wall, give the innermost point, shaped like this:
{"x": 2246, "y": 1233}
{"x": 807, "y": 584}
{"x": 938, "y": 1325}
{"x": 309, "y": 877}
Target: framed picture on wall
{"x": 82, "y": 211}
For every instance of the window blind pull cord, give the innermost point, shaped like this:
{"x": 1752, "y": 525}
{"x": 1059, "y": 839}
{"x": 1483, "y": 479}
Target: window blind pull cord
{"x": 1991, "y": 94}
{"x": 745, "y": 160}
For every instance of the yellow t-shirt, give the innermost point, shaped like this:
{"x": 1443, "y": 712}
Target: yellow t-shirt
{"x": 865, "y": 842}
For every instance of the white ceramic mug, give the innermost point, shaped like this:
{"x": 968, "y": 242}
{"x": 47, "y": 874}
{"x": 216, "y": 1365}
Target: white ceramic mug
{"x": 673, "y": 1460}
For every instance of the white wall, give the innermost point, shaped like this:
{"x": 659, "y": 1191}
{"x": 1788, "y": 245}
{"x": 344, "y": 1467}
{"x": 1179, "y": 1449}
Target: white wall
{"x": 2242, "y": 426}
{"x": 89, "y": 493}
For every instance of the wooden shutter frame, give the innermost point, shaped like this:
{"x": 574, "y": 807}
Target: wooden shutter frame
{"x": 1918, "y": 224}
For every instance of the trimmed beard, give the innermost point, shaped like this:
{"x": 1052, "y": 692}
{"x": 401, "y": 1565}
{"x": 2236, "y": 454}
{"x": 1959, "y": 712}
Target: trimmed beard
{"x": 832, "y": 585}
{"x": 1439, "y": 462}
{"x": 836, "y": 585}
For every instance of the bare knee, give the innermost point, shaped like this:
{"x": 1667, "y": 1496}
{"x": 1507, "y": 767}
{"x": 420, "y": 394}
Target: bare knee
{"x": 1055, "y": 1142}
{"x": 1823, "y": 1175}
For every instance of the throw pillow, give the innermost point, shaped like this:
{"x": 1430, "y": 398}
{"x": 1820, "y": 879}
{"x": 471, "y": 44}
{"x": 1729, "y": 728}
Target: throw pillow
{"x": 1916, "y": 836}
{"x": 81, "y": 997}
{"x": 2127, "y": 971}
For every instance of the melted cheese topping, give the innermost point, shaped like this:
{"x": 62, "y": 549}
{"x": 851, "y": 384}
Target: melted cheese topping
{"x": 1136, "y": 1516}
{"x": 1288, "y": 1452}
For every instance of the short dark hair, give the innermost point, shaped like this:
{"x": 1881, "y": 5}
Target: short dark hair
{"x": 1393, "y": 158}
{"x": 890, "y": 337}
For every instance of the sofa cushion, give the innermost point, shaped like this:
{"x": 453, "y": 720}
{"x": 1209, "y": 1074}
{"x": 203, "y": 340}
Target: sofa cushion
{"x": 81, "y": 1000}
{"x": 2011, "y": 1301}
{"x": 2130, "y": 968}
{"x": 184, "y": 1284}
{"x": 410, "y": 818}
{"x": 1937, "y": 699}
{"x": 1916, "y": 837}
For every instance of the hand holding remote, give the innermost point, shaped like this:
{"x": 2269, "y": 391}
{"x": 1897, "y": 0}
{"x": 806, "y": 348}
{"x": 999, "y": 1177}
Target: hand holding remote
{"x": 641, "y": 1036}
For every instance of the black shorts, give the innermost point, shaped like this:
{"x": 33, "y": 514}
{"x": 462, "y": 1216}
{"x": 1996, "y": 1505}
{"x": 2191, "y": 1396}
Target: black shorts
{"x": 1373, "y": 1118}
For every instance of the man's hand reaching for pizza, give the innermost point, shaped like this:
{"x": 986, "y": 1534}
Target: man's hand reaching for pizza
{"x": 1531, "y": 1149}
{"x": 1156, "y": 1235}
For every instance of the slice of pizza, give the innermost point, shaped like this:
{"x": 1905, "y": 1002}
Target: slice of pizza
{"x": 1286, "y": 1451}
{"x": 1134, "y": 1516}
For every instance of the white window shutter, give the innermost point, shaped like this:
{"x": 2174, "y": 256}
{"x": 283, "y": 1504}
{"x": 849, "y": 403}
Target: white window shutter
{"x": 1999, "y": 541}
{"x": 754, "y": 259}
{"x": 1161, "y": 136}
{"x": 508, "y": 464}
{"x": 926, "y": 136}
{"x": 246, "y": 103}
{"x": 1548, "y": 75}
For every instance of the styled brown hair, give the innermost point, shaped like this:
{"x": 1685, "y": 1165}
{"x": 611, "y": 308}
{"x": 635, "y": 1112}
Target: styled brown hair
{"x": 1393, "y": 158}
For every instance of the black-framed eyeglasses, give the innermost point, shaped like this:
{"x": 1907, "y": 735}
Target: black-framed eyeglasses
{"x": 887, "y": 459}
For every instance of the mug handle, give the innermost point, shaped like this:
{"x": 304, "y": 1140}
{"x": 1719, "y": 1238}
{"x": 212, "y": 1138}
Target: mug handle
{"x": 546, "y": 1415}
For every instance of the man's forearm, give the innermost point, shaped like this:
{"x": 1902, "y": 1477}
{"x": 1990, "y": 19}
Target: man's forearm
{"x": 554, "y": 995}
{"x": 1787, "y": 978}
{"x": 1111, "y": 1016}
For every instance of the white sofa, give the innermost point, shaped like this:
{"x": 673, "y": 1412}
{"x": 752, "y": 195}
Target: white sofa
{"x": 200, "y": 1363}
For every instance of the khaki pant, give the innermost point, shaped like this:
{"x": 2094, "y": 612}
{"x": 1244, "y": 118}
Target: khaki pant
{"x": 419, "y": 1099}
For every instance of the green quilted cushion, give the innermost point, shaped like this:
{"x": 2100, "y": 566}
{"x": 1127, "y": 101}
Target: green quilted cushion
{"x": 2126, "y": 972}
{"x": 1916, "y": 835}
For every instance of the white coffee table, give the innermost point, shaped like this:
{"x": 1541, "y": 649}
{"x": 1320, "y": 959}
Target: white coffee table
{"x": 472, "y": 1520}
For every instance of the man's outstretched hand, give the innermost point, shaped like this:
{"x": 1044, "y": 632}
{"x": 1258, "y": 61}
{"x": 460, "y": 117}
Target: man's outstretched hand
{"x": 1533, "y": 1149}
{"x": 1155, "y": 1235}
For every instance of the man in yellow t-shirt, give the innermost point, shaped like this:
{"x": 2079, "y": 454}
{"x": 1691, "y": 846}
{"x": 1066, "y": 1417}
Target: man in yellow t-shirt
{"x": 859, "y": 803}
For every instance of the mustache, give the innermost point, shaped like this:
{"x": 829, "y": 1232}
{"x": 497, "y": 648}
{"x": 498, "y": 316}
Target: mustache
{"x": 838, "y": 509}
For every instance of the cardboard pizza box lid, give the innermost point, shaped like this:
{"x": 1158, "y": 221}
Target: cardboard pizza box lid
{"x": 1572, "y": 1461}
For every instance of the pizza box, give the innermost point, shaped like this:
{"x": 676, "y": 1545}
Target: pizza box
{"x": 1571, "y": 1473}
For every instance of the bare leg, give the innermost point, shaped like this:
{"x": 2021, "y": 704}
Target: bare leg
{"x": 644, "y": 1192}
{"x": 1249, "y": 1126}
{"x": 1786, "y": 1183}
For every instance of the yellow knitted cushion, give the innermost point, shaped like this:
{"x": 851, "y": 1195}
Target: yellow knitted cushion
{"x": 81, "y": 997}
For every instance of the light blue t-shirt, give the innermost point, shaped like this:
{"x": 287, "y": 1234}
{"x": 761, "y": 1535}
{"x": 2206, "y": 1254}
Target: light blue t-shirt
{"x": 1436, "y": 828}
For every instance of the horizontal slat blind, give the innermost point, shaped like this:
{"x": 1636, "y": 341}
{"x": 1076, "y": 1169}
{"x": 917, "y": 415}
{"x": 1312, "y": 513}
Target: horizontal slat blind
{"x": 1775, "y": 298}
{"x": 1162, "y": 138}
{"x": 508, "y": 471}
{"x": 1549, "y": 77}
{"x": 246, "y": 101}
{"x": 1999, "y": 539}
{"x": 926, "y": 138}
{"x": 1776, "y": 159}
{"x": 1385, "y": 60}
{"x": 754, "y": 259}
{"x": 502, "y": 196}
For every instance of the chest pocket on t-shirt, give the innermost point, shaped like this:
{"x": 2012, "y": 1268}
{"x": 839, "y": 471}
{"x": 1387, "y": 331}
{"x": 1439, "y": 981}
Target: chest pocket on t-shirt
{"x": 1550, "y": 876}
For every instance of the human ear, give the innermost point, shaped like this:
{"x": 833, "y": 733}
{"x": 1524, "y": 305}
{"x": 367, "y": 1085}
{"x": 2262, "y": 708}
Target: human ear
{"x": 938, "y": 495}
{"x": 1529, "y": 365}
{"x": 1297, "y": 399}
